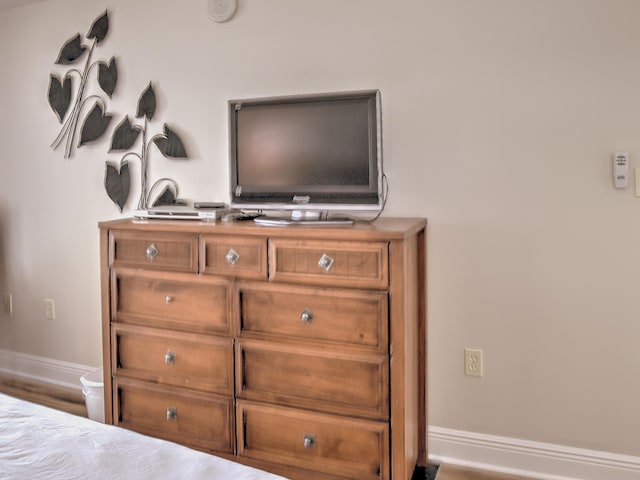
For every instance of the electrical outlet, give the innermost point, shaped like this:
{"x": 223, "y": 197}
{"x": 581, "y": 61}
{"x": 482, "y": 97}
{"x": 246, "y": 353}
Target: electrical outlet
{"x": 49, "y": 309}
{"x": 473, "y": 362}
{"x": 7, "y": 303}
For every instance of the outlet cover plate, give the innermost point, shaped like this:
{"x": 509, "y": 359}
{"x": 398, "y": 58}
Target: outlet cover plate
{"x": 473, "y": 362}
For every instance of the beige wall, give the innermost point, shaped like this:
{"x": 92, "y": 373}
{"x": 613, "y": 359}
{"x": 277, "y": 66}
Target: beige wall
{"x": 500, "y": 118}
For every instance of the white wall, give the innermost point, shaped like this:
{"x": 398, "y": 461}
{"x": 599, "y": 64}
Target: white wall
{"x": 500, "y": 118}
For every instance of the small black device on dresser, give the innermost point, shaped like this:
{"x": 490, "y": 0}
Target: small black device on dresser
{"x": 238, "y": 216}
{"x": 208, "y": 205}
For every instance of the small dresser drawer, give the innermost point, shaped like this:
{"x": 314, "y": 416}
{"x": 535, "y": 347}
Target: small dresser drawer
{"x": 331, "y": 263}
{"x": 347, "y": 448}
{"x": 201, "y": 362}
{"x": 347, "y": 383}
{"x": 351, "y": 317}
{"x": 171, "y": 300}
{"x": 240, "y": 257}
{"x": 200, "y": 420}
{"x": 176, "y": 252}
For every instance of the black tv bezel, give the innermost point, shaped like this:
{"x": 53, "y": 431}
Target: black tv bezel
{"x": 321, "y": 197}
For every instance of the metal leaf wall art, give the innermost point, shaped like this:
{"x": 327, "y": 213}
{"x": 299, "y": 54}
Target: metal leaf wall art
{"x": 66, "y": 99}
{"x": 124, "y": 137}
{"x": 68, "y": 103}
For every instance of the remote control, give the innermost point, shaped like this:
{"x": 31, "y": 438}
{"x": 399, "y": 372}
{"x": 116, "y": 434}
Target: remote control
{"x": 249, "y": 216}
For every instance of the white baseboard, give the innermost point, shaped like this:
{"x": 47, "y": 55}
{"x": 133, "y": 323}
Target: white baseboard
{"x": 40, "y": 369}
{"x": 533, "y": 459}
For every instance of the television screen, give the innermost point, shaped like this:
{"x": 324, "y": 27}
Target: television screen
{"x": 319, "y": 152}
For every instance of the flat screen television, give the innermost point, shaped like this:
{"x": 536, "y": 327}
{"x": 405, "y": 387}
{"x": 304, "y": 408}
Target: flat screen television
{"x": 309, "y": 155}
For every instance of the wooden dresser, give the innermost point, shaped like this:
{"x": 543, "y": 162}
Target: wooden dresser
{"x": 298, "y": 350}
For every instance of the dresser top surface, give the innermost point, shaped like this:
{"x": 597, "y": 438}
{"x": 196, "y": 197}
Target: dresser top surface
{"x": 384, "y": 228}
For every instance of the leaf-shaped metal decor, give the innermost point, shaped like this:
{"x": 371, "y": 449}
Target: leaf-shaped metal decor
{"x": 147, "y": 103}
{"x": 170, "y": 144}
{"x": 125, "y": 135}
{"x": 108, "y": 76}
{"x": 167, "y": 197}
{"x": 59, "y": 95}
{"x": 99, "y": 28}
{"x": 94, "y": 125}
{"x": 117, "y": 183}
{"x": 71, "y": 51}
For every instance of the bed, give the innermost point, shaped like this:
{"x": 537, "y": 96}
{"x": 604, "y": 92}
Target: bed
{"x": 38, "y": 443}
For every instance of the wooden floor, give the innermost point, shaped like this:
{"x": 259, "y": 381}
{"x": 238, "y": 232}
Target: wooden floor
{"x": 71, "y": 401}
{"x": 68, "y": 400}
{"x": 450, "y": 472}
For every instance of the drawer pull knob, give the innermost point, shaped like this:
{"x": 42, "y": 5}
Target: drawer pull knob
{"x": 306, "y": 316}
{"x": 168, "y": 299}
{"x": 152, "y": 252}
{"x": 172, "y": 413}
{"x": 170, "y": 358}
{"x": 309, "y": 440}
{"x": 232, "y": 257}
{"x": 325, "y": 262}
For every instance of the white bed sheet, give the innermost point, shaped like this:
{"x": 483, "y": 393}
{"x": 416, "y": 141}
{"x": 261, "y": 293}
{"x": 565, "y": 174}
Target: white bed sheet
{"x": 40, "y": 443}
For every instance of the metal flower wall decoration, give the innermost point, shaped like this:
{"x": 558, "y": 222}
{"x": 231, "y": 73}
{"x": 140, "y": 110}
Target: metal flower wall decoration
{"x": 68, "y": 105}
{"x": 117, "y": 178}
{"x": 61, "y": 92}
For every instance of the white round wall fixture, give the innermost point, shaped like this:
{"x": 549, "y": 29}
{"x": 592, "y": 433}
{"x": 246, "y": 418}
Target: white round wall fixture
{"x": 222, "y": 10}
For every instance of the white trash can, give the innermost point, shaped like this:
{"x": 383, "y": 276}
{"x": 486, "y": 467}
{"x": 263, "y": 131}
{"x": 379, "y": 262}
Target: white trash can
{"x": 93, "y": 393}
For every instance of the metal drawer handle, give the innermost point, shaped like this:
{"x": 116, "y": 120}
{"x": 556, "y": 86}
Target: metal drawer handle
{"x": 172, "y": 413}
{"x": 309, "y": 440}
{"x": 169, "y": 358}
{"x": 152, "y": 252}
{"x": 325, "y": 262}
{"x": 306, "y": 316}
{"x": 168, "y": 299}
{"x": 232, "y": 257}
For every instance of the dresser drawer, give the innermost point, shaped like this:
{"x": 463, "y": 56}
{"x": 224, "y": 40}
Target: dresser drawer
{"x": 241, "y": 257}
{"x": 200, "y": 420}
{"x": 201, "y": 362}
{"x": 331, "y": 263}
{"x": 351, "y": 384}
{"x": 347, "y": 448}
{"x": 172, "y": 300}
{"x": 351, "y": 317}
{"x": 176, "y": 252}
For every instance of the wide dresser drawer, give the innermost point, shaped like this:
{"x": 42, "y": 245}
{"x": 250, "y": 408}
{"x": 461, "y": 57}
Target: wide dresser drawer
{"x": 201, "y": 362}
{"x": 172, "y": 300}
{"x": 356, "y": 318}
{"x": 159, "y": 251}
{"x": 200, "y": 420}
{"x": 331, "y": 263}
{"x": 347, "y": 448}
{"x": 339, "y": 382}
